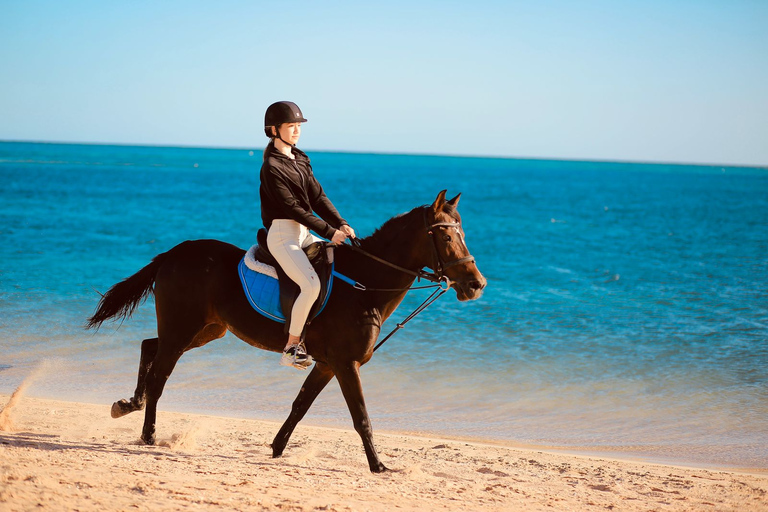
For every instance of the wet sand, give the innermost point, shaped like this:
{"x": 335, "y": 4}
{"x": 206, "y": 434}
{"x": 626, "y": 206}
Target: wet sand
{"x": 64, "y": 456}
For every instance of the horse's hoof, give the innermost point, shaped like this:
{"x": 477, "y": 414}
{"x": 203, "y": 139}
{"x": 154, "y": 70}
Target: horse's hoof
{"x": 149, "y": 439}
{"x": 276, "y": 452}
{"x": 379, "y": 468}
{"x": 121, "y": 408}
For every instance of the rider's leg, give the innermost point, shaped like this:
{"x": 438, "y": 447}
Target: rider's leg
{"x": 285, "y": 240}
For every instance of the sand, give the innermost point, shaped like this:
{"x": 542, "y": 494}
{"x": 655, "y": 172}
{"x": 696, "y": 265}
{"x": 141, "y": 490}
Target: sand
{"x": 58, "y": 455}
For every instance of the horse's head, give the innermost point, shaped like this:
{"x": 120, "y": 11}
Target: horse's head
{"x": 451, "y": 255}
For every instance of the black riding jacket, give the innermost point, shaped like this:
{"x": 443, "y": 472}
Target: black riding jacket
{"x": 289, "y": 190}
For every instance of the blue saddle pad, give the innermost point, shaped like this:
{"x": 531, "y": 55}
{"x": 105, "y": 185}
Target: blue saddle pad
{"x": 263, "y": 292}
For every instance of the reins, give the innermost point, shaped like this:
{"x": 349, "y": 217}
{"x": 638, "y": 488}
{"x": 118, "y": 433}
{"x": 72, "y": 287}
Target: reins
{"x": 421, "y": 274}
{"x": 436, "y": 277}
{"x": 439, "y": 291}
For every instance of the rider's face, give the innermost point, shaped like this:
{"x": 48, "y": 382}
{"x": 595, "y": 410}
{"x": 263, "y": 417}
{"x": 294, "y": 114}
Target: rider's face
{"x": 290, "y": 132}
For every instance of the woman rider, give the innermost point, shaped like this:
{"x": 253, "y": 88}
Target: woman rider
{"x": 292, "y": 204}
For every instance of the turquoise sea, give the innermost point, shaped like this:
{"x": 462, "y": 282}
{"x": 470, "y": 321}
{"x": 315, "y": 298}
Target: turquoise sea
{"x": 626, "y": 309}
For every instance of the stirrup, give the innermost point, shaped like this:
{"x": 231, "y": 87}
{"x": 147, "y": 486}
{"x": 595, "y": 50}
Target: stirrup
{"x": 296, "y": 356}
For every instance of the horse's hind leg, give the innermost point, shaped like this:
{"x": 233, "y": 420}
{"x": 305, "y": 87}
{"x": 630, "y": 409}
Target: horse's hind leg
{"x": 317, "y": 379}
{"x": 123, "y": 407}
{"x": 164, "y": 363}
{"x": 172, "y": 343}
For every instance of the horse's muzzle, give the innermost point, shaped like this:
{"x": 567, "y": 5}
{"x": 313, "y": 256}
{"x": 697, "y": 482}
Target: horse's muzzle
{"x": 469, "y": 289}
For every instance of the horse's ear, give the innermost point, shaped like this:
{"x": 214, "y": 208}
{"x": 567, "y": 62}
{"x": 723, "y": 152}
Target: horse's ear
{"x": 455, "y": 201}
{"x": 439, "y": 202}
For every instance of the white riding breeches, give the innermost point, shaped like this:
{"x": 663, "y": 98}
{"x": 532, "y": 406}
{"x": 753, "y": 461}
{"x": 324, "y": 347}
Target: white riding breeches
{"x": 286, "y": 238}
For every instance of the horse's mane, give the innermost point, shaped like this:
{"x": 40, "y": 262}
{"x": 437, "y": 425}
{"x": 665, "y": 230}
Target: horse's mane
{"x": 387, "y": 232}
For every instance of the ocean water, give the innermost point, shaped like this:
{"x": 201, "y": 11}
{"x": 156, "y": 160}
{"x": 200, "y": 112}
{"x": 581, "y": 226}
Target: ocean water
{"x": 626, "y": 308}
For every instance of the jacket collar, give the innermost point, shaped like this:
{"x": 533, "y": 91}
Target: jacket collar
{"x": 297, "y": 153}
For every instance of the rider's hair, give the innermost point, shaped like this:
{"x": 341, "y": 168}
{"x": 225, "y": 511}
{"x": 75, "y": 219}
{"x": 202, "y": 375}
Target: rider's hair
{"x": 268, "y": 148}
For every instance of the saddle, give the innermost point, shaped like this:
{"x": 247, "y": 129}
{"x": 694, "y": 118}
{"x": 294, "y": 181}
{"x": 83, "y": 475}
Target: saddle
{"x": 269, "y": 289}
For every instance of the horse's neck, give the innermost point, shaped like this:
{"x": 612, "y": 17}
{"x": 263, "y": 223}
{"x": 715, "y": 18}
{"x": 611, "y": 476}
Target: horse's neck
{"x": 398, "y": 244}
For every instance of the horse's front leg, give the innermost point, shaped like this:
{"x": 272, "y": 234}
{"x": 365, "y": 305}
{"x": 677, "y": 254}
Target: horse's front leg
{"x": 316, "y": 381}
{"x": 349, "y": 381}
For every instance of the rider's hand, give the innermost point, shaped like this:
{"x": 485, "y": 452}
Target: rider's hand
{"x": 339, "y": 237}
{"x": 347, "y": 229}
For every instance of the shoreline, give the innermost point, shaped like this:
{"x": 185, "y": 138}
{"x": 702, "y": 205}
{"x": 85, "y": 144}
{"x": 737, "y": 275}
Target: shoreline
{"x": 643, "y": 454}
{"x": 67, "y": 455}
{"x": 607, "y": 453}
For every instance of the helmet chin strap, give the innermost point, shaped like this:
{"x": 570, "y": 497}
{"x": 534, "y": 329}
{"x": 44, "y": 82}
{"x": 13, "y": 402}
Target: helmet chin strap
{"x": 277, "y": 136}
{"x": 284, "y": 142}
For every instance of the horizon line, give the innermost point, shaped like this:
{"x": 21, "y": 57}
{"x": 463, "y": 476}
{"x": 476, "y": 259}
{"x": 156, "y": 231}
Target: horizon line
{"x": 392, "y": 153}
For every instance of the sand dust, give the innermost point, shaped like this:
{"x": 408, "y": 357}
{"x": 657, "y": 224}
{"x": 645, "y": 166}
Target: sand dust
{"x": 74, "y": 456}
{"x": 6, "y": 421}
{"x": 186, "y": 440}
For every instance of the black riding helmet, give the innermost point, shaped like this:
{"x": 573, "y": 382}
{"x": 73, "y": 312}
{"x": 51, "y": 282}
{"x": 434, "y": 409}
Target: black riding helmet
{"x": 283, "y": 112}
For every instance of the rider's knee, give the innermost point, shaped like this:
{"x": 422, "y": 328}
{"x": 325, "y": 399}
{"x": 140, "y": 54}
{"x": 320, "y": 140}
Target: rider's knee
{"x": 311, "y": 287}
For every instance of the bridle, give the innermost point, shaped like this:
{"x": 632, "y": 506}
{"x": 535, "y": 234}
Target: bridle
{"x": 439, "y": 265}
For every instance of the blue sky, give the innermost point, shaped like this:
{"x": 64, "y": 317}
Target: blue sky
{"x": 673, "y": 81}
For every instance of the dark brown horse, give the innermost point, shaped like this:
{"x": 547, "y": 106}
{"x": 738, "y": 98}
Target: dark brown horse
{"x": 198, "y": 298}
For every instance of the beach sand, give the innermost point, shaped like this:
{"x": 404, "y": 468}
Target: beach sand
{"x": 72, "y": 456}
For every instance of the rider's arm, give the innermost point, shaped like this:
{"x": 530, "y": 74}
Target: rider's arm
{"x": 281, "y": 193}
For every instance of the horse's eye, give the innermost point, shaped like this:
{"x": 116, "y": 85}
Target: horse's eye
{"x": 447, "y": 238}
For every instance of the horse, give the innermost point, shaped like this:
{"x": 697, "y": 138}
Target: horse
{"x": 199, "y": 297}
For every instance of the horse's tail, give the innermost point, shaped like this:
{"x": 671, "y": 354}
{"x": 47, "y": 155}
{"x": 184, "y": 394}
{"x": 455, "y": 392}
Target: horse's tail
{"x": 123, "y": 298}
